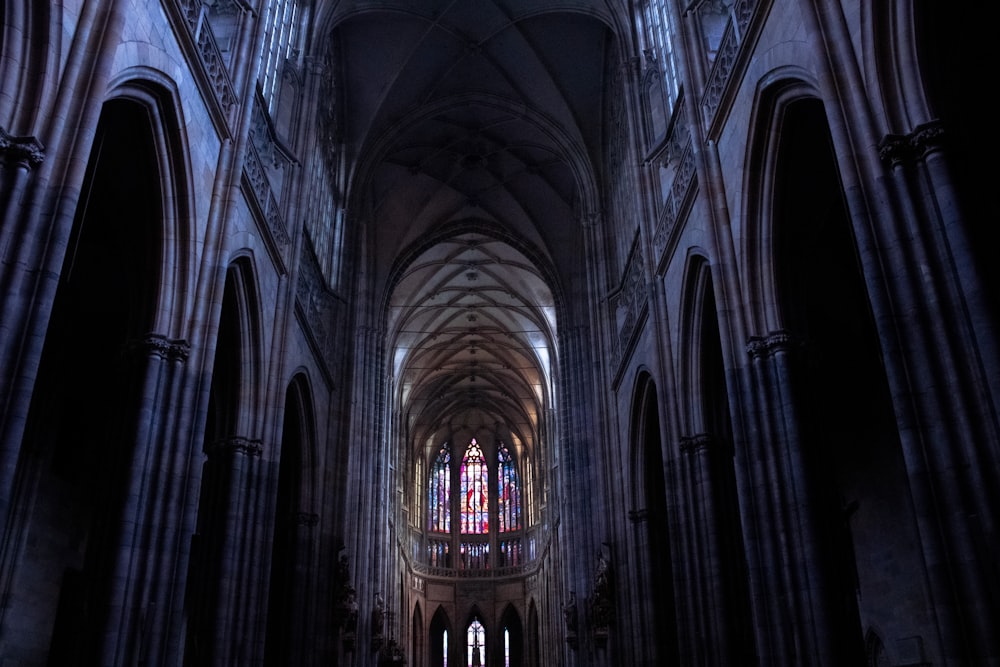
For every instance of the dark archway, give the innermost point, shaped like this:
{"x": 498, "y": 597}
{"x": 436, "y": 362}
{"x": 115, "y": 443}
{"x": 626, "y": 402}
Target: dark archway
{"x": 286, "y": 592}
{"x": 717, "y": 423}
{"x": 207, "y": 577}
{"x": 417, "y": 639}
{"x": 509, "y": 649}
{"x": 534, "y": 647}
{"x": 80, "y": 436}
{"x": 848, "y": 432}
{"x": 441, "y": 639}
{"x": 664, "y": 643}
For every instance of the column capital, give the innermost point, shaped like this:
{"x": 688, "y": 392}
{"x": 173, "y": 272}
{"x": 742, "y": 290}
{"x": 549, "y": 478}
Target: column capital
{"x": 153, "y": 344}
{"x": 895, "y": 149}
{"x": 25, "y": 152}
{"x": 776, "y": 341}
{"x": 235, "y": 445}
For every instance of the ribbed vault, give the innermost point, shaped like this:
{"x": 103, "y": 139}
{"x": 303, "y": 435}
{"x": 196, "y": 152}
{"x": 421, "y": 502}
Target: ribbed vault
{"x": 489, "y": 111}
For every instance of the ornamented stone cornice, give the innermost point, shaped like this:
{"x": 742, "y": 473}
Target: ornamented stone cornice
{"x": 26, "y": 152}
{"x": 764, "y": 346}
{"x": 235, "y": 445}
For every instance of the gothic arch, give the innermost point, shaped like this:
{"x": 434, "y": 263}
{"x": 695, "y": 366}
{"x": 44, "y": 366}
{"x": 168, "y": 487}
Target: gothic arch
{"x": 694, "y": 383}
{"x": 242, "y": 294}
{"x": 159, "y": 96}
{"x": 84, "y": 436}
{"x": 28, "y": 49}
{"x": 778, "y": 90}
{"x": 418, "y": 638}
{"x": 294, "y": 536}
{"x": 441, "y": 639}
{"x": 509, "y": 647}
{"x": 653, "y": 541}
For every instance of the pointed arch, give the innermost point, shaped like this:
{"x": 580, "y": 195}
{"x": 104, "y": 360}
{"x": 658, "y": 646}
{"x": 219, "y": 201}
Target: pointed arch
{"x": 654, "y": 560}
{"x": 510, "y": 639}
{"x": 418, "y": 638}
{"x": 441, "y": 640}
{"x": 534, "y": 636}
{"x": 288, "y": 595}
{"x": 779, "y": 90}
{"x": 83, "y": 435}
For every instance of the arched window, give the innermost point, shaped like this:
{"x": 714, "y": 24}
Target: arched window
{"x": 439, "y": 492}
{"x": 490, "y": 529}
{"x": 475, "y": 491}
{"x": 508, "y": 508}
{"x": 476, "y": 642}
{"x": 508, "y": 492}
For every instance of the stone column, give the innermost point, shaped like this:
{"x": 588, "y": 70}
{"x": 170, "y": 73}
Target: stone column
{"x": 142, "y": 567}
{"x": 232, "y": 470}
{"x": 796, "y": 601}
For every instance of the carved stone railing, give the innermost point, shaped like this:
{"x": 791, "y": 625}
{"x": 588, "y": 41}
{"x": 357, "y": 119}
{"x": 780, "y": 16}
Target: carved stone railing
{"x": 214, "y": 75}
{"x": 263, "y": 196}
{"x": 727, "y": 57}
{"x": 628, "y": 305}
{"x": 677, "y": 201}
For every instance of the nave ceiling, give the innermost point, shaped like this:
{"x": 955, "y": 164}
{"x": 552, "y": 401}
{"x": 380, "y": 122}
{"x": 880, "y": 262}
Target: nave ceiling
{"x": 472, "y": 131}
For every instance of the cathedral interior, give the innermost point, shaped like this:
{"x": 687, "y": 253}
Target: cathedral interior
{"x": 504, "y": 333}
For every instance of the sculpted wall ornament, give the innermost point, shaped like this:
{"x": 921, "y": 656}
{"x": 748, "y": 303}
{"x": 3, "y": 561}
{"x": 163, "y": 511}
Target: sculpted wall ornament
{"x": 571, "y": 617}
{"x": 602, "y": 602}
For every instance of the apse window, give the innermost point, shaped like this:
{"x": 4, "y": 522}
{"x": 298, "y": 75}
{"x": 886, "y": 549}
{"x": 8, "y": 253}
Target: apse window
{"x": 487, "y": 503}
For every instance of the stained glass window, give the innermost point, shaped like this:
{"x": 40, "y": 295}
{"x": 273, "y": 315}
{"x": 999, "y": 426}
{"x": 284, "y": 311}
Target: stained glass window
{"x": 477, "y": 643}
{"x": 475, "y": 491}
{"x": 445, "y": 647}
{"x": 508, "y": 491}
{"x": 439, "y": 492}
{"x": 506, "y": 647}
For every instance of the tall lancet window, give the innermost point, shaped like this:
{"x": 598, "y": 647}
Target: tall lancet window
{"x": 508, "y": 492}
{"x": 476, "y": 643}
{"x": 439, "y": 492}
{"x": 475, "y": 491}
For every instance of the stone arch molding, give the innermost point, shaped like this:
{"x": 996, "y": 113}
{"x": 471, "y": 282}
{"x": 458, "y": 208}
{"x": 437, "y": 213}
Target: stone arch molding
{"x": 162, "y": 101}
{"x": 775, "y": 93}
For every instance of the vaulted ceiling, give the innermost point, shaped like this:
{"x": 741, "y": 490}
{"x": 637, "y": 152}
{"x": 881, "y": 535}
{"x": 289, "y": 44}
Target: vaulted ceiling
{"x": 473, "y": 134}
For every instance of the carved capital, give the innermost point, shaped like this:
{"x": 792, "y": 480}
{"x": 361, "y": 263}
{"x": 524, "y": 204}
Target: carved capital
{"x": 638, "y": 516}
{"x": 307, "y": 519}
{"x": 759, "y": 347}
{"x": 24, "y": 152}
{"x": 235, "y": 445}
{"x": 701, "y": 441}
{"x": 158, "y": 345}
{"x": 895, "y": 149}
{"x": 927, "y": 138}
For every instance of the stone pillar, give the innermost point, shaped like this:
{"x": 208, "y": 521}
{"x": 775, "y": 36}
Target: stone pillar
{"x": 142, "y": 569}
{"x": 698, "y": 452}
{"x": 947, "y": 396}
{"x": 231, "y": 471}
{"x": 794, "y": 610}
